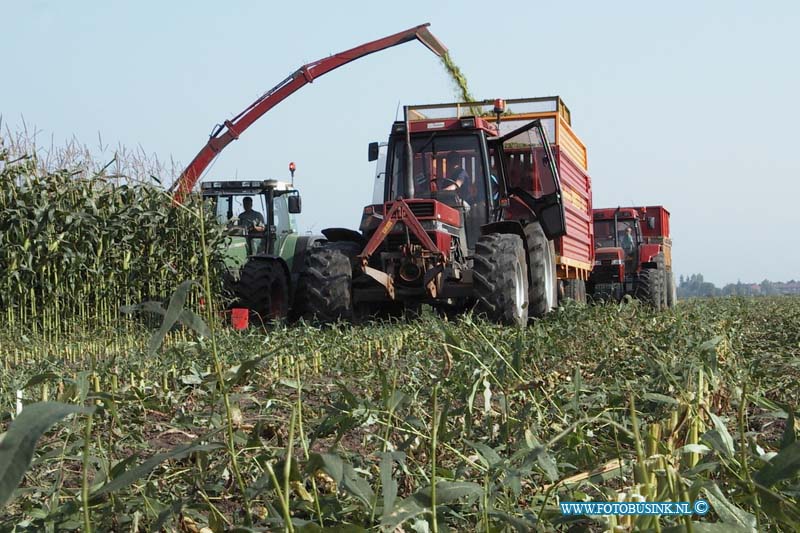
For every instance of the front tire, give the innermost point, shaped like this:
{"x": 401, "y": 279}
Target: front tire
{"x": 501, "y": 278}
{"x": 326, "y": 284}
{"x": 263, "y": 288}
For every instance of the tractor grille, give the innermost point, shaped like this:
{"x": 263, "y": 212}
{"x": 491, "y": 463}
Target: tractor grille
{"x": 396, "y": 240}
{"x": 422, "y": 209}
{"x": 605, "y": 259}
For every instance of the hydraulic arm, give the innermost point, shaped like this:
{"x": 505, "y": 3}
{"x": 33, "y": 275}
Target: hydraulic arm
{"x": 230, "y": 130}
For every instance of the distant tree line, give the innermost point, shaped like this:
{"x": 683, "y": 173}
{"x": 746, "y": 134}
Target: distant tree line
{"x": 695, "y": 286}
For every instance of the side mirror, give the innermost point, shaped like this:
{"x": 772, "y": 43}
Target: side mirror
{"x": 373, "y": 151}
{"x": 294, "y": 204}
{"x": 651, "y": 222}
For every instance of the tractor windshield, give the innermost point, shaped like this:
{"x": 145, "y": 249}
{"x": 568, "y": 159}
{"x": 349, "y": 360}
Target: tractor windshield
{"x": 449, "y": 168}
{"x": 605, "y": 233}
{"x": 446, "y": 167}
{"x": 229, "y": 207}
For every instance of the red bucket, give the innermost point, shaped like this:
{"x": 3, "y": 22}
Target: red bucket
{"x": 240, "y": 318}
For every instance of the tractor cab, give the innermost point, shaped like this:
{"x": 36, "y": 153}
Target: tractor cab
{"x": 457, "y": 157}
{"x": 617, "y": 237}
{"x": 617, "y": 240}
{"x": 257, "y": 215}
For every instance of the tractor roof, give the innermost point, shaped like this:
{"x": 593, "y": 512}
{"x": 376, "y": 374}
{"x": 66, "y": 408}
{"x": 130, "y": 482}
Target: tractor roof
{"x": 219, "y": 187}
{"x": 607, "y": 213}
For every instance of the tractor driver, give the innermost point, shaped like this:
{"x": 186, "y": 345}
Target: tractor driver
{"x": 250, "y": 218}
{"x": 456, "y": 175}
{"x": 627, "y": 242}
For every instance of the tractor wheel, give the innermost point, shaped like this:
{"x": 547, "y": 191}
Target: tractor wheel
{"x": 501, "y": 279}
{"x": 575, "y": 289}
{"x": 325, "y": 287}
{"x": 672, "y": 297}
{"x": 648, "y": 288}
{"x": 263, "y": 288}
{"x": 543, "y": 285}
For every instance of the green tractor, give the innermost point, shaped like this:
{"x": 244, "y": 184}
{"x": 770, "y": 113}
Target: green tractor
{"x": 266, "y": 253}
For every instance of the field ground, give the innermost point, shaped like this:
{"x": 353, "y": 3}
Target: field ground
{"x": 591, "y": 403}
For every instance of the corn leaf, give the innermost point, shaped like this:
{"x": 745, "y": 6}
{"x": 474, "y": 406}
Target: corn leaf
{"x": 19, "y": 443}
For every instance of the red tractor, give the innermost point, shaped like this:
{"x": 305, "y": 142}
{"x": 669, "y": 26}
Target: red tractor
{"x": 472, "y": 205}
{"x": 633, "y": 255}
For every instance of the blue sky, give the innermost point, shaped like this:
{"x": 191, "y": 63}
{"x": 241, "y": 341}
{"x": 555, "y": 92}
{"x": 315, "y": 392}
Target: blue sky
{"x": 693, "y": 105}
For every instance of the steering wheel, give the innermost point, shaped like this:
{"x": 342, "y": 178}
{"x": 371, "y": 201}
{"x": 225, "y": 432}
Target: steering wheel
{"x": 236, "y": 231}
{"x": 453, "y": 182}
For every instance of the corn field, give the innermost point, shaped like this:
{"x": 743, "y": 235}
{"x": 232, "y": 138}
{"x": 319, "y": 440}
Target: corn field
{"x": 425, "y": 425}
{"x": 75, "y": 248}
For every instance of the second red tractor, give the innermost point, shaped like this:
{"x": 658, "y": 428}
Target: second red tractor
{"x": 633, "y": 255}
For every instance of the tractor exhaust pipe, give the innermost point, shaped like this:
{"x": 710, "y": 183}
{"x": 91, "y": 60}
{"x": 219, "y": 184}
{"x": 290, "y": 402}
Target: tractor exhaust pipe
{"x": 410, "y": 272}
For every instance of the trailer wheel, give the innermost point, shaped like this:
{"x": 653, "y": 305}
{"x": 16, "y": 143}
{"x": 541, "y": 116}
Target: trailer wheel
{"x": 664, "y": 281}
{"x": 325, "y": 287}
{"x": 575, "y": 289}
{"x": 672, "y": 297}
{"x": 543, "y": 285}
{"x": 501, "y": 280}
{"x": 648, "y": 287}
{"x": 263, "y": 288}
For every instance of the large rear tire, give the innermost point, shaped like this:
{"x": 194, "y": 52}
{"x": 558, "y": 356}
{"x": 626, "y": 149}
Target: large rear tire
{"x": 543, "y": 285}
{"x": 325, "y": 290}
{"x": 649, "y": 287}
{"x": 501, "y": 278}
{"x": 263, "y": 288}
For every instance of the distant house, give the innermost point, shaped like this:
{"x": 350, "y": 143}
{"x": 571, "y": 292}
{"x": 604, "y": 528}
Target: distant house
{"x": 791, "y": 287}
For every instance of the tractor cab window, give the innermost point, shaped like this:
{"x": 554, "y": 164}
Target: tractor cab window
{"x": 606, "y": 235}
{"x": 448, "y": 168}
{"x": 282, "y": 217}
{"x": 229, "y": 207}
{"x": 223, "y": 208}
{"x": 527, "y": 163}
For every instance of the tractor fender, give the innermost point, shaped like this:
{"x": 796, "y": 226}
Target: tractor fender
{"x": 343, "y": 234}
{"x": 303, "y": 244}
{"x": 648, "y": 253}
{"x": 504, "y": 226}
